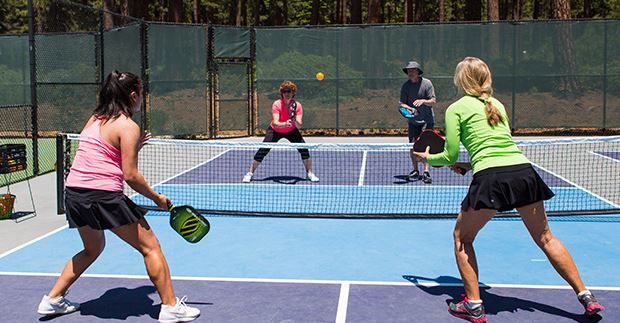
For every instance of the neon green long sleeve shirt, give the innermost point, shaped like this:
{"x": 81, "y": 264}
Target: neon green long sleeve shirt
{"x": 466, "y": 122}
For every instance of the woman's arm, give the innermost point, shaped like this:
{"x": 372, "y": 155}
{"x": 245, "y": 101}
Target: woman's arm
{"x": 130, "y": 143}
{"x": 277, "y": 123}
{"x": 453, "y": 139}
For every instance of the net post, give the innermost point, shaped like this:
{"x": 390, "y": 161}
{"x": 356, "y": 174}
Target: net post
{"x": 60, "y": 174}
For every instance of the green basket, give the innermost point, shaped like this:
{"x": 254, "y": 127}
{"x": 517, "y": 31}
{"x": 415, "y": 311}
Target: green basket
{"x": 6, "y": 206}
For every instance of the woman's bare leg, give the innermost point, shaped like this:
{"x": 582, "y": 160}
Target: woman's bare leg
{"x": 535, "y": 220}
{"x": 468, "y": 224}
{"x": 140, "y": 236}
{"x": 94, "y": 242}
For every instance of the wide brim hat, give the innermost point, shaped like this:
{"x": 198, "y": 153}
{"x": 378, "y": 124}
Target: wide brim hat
{"x": 413, "y": 64}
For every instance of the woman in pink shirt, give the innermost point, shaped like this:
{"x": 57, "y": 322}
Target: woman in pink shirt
{"x": 287, "y": 115}
{"x": 107, "y": 156}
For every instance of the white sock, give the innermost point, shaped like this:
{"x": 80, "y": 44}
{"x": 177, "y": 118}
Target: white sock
{"x": 584, "y": 293}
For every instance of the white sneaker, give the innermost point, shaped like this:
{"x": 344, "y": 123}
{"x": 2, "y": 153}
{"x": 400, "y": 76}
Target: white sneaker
{"x": 58, "y": 305}
{"x": 248, "y": 177}
{"x": 178, "y": 313}
{"x": 312, "y": 177}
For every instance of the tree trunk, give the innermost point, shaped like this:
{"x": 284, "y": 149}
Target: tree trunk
{"x": 343, "y": 11}
{"x": 195, "y": 11}
{"x": 536, "y": 10}
{"x": 314, "y": 15}
{"x": 356, "y": 11}
{"x": 587, "y": 9}
{"x": 408, "y": 10}
{"x": 256, "y": 12}
{"x": 108, "y": 19}
{"x": 418, "y": 14}
{"x": 493, "y": 10}
{"x": 238, "y": 13}
{"x": 374, "y": 12}
{"x": 285, "y": 12}
{"x": 473, "y": 10}
{"x": 517, "y": 9}
{"x": 494, "y": 37}
{"x": 175, "y": 10}
{"x": 564, "y": 49}
{"x": 442, "y": 12}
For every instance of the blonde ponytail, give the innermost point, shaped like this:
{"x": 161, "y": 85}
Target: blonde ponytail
{"x": 473, "y": 76}
{"x": 494, "y": 117}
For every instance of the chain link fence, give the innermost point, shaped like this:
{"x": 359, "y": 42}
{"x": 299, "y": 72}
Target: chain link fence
{"x": 205, "y": 81}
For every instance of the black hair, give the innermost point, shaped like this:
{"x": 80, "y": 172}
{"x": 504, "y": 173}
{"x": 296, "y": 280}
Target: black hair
{"x": 115, "y": 95}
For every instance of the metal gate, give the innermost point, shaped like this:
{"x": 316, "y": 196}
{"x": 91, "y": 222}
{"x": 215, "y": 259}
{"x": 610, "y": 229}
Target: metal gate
{"x": 232, "y": 115}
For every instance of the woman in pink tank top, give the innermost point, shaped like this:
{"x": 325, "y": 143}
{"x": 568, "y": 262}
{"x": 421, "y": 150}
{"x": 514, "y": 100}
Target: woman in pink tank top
{"x": 107, "y": 156}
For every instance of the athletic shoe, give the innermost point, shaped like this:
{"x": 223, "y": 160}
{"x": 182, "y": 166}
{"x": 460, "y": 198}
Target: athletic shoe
{"x": 467, "y": 311}
{"x": 311, "y": 177}
{"x": 58, "y": 305}
{"x": 426, "y": 178}
{"x": 248, "y": 177}
{"x": 414, "y": 175}
{"x": 590, "y": 304}
{"x": 178, "y": 313}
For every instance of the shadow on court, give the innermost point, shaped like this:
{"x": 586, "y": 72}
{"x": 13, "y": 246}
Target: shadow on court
{"x": 119, "y": 303}
{"x": 494, "y": 303}
{"x": 291, "y": 180}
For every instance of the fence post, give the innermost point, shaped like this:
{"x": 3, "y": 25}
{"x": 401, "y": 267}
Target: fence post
{"x": 33, "y": 90}
{"x": 337, "y": 83}
{"x": 605, "y": 48}
{"x": 253, "y": 76}
{"x": 211, "y": 83}
{"x": 514, "y": 75}
{"x": 144, "y": 118}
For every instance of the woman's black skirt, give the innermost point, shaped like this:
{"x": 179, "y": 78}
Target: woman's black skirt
{"x": 505, "y": 188}
{"x": 100, "y": 209}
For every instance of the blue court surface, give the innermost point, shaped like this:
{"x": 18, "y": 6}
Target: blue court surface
{"x": 613, "y": 155}
{"x": 252, "y": 269}
{"x": 282, "y": 269}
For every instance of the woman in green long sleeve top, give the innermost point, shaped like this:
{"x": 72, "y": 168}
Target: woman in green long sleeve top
{"x": 503, "y": 180}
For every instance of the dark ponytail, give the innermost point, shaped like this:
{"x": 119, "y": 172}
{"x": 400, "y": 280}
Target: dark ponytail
{"x": 115, "y": 95}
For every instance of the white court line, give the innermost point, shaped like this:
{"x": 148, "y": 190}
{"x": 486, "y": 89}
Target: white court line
{"x": 311, "y": 281}
{"x": 32, "y": 241}
{"x": 427, "y": 187}
{"x": 360, "y": 182}
{"x": 343, "y": 303}
{"x": 577, "y": 186}
{"x": 612, "y": 159}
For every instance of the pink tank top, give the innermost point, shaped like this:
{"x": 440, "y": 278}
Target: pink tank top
{"x": 97, "y": 164}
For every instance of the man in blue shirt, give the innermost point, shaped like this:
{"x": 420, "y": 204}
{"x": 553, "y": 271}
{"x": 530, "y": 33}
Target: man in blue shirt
{"x": 418, "y": 96}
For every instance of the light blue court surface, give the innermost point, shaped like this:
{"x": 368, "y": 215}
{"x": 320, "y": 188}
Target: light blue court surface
{"x": 342, "y": 249}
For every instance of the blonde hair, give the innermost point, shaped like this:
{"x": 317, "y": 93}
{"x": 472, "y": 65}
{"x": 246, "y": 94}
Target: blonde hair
{"x": 288, "y": 85}
{"x": 473, "y": 76}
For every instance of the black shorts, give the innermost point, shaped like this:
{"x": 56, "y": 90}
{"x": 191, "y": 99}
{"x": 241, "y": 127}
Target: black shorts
{"x": 415, "y": 129}
{"x": 100, "y": 209}
{"x": 293, "y": 136}
{"x": 506, "y": 188}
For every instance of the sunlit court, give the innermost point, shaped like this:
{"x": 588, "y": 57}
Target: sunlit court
{"x": 285, "y": 161}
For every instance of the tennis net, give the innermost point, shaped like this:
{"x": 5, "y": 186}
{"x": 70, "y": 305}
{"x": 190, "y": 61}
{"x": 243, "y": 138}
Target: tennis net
{"x": 356, "y": 180}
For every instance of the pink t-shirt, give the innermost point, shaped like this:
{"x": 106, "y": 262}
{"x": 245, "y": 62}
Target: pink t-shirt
{"x": 278, "y": 106}
{"x": 97, "y": 164}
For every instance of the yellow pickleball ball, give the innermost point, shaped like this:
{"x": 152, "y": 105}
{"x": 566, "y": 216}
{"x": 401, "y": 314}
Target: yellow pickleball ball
{"x": 320, "y": 76}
